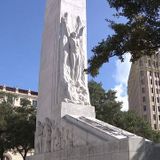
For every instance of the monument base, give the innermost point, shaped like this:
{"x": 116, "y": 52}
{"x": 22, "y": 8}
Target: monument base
{"x": 86, "y": 138}
{"x": 110, "y": 151}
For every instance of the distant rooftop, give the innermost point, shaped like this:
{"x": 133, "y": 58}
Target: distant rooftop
{"x": 18, "y": 90}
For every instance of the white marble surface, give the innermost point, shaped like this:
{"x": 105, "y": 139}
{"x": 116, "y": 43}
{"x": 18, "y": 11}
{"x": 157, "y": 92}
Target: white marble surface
{"x": 61, "y": 70}
{"x": 77, "y": 110}
{"x": 80, "y": 140}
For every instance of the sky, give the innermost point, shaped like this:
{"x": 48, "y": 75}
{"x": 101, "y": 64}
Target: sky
{"x": 21, "y": 27}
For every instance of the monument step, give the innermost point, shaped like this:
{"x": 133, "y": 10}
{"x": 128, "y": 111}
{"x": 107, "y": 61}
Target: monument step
{"x": 99, "y": 128}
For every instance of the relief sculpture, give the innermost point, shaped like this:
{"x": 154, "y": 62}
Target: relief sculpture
{"x": 50, "y": 137}
{"x": 75, "y": 89}
{"x": 47, "y": 131}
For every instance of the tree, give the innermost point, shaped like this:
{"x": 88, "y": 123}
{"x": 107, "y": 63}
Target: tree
{"x": 17, "y": 125}
{"x": 139, "y": 35}
{"x": 22, "y": 128}
{"x": 25, "y": 102}
{"x": 133, "y": 123}
{"x": 105, "y": 103}
{"x": 108, "y": 109}
{"x": 6, "y": 112}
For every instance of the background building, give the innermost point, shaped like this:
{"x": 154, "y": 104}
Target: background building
{"x": 20, "y": 94}
{"x": 144, "y": 89}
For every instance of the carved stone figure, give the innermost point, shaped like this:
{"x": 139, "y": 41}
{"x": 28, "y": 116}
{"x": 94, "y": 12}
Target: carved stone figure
{"x": 65, "y": 34}
{"x": 47, "y": 135}
{"x": 53, "y": 136}
{"x": 57, "y": 139}
{"x": 75, "y": 89}
{"x": 69, "y": 136}
{"x": 63, "y": 138}
{"x": 39, "y": 137}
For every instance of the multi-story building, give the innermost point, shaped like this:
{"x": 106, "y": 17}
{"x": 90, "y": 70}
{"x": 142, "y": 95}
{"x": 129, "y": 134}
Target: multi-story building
{"x": 144, "y": 89}
{"x": 20, "y": 94}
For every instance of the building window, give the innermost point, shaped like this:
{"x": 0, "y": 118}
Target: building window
{"x": 142, "y": 81}
{"x": 155, "y": 74}
{"x": 144, "y": 108}
{"x": 154, "y": 108}
{"x": 151, "y": 81}
{"x": 156, "y": 82}
{"x": 154, "y": 117}
{"x": 144, "y": 99}
{"x": 158, "y": 99}
{"x": 155, "y": 126}
{"x": 157, "y": 91}
{"x": 159, "y": 117}
{"x": 152, "y": 99}
{"x": 34, "y": 103}
{"x": 143, "y": 90}
{"x": 150, "y": 73}
{"x": 159, "y": 108}
{"x": 152, "y": 90}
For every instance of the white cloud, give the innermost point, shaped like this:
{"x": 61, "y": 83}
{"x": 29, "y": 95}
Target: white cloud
{"x": 121, "y": 78}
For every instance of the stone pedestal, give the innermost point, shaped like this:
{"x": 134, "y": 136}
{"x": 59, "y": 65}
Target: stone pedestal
{"x": 81, "y": 138}
{"x": 77, "y": 110}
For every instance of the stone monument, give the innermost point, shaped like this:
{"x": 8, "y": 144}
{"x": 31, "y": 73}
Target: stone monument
{"x": 66, "y": 127}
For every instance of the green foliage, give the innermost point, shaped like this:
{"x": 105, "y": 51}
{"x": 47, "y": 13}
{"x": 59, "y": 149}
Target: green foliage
{"x": 6, "y": 113}
{"x": 25, "y": 102}
{"x": 108, "y": 109}
{"x": 17, "y": 125}
{"x": 131, "y": 122}
{"x": 105, "y": 102}
{"x": 139, "y": 36}
{"x": 7, "y": 98}
{"x": 21, "y": 129}
{"x": 156, "y": 136}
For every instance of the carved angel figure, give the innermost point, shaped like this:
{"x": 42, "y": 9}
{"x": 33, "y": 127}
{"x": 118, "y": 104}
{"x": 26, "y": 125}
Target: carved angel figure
{"x": 74, "y": 61}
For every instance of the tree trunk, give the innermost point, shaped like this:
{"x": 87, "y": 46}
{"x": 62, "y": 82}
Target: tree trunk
{"x": 1, "y": 156}
{"x": 24, "y": 156}
{"x": 1, "y": 153}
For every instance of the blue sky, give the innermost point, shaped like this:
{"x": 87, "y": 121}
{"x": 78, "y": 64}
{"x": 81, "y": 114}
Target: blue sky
{"x": 21, "y": 27}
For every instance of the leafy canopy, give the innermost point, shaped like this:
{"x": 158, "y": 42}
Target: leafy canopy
{"x": 17, "y": 125}
{"x": 6, "y": 112}
{"x": 139, "y": 35}
{"x": 105, "y": 102}
{"x": 22, "y": 128}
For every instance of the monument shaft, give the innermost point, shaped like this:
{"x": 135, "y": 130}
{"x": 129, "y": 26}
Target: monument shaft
{"x": 63, "y": 57}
